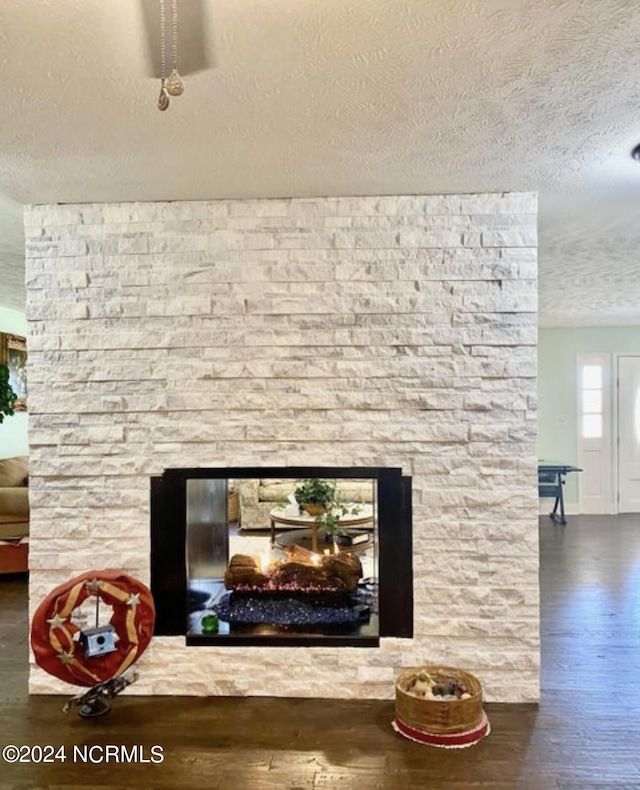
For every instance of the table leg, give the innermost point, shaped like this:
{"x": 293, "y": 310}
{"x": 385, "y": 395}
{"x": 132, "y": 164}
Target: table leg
{"x": 559, "y": 501}
{"x": 563, "y": 520}
{"x": 314, "y": 537}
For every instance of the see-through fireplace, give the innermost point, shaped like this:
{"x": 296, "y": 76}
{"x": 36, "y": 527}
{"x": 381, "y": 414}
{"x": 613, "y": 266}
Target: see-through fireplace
{"x": 238, "y": 557}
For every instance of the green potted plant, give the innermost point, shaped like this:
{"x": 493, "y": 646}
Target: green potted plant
{"x": 7, "y": 395}
{"x": 320, "y": 498}
{"x": 315, "y": 495}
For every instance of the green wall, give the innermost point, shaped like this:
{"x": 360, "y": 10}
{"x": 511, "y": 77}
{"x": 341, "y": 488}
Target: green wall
{"x": 14, "y": 430}
{"x": 558, "y": 350}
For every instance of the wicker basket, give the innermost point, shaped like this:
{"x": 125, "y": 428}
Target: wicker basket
{"x": 439, "y": 716}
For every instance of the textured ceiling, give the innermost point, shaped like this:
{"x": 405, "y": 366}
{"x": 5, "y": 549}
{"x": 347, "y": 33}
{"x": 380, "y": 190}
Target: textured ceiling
{"x": 340, "y": 97}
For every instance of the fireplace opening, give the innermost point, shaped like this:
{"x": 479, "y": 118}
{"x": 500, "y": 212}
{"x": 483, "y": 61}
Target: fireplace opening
{"x": 238, "y": 556}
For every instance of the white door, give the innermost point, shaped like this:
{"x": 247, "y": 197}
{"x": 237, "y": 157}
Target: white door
{"x": 628, "y": 434}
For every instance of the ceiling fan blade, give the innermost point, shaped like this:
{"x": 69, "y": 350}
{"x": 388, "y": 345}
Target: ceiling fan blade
{"x": 193, "y": 54}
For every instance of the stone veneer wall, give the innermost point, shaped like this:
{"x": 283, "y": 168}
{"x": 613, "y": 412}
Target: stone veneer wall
{"x": 397, "y": 331}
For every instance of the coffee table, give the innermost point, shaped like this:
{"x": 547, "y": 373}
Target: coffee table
{"x": 305, "y": 539}
{"x": 309, "y": 524}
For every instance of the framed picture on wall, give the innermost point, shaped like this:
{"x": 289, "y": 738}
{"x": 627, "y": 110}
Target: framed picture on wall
{"x": 13, "y": 352}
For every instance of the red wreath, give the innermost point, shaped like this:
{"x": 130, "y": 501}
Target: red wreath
{"x": 52, "y": 632}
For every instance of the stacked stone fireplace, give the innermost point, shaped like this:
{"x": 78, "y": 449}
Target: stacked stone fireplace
{"x": 366, "y": 332}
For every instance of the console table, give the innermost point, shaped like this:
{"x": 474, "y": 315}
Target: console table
{"x": 551, "y": 479}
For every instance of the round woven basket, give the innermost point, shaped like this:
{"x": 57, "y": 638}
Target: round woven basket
{"x": 435, "y": 715}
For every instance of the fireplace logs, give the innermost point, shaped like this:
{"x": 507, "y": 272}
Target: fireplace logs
{"x": 244, "y": 571}
{"x": 304, "y": 590}
{"x": 301, "y": 570}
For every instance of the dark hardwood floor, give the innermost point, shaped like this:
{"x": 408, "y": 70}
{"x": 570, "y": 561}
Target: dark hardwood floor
{"x": 584, "y": 735}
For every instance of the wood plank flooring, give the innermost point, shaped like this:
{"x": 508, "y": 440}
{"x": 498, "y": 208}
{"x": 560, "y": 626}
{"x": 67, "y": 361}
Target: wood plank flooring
{"x": 585, "y": 735}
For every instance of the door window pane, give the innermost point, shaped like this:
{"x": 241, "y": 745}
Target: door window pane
{"x": 592, "y": 426}
{"x": 592, "y": 402}
{"x": 592, "y": 377}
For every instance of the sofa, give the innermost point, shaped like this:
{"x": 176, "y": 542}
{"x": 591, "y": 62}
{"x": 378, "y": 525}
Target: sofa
{"x": 14, "y": 514}
{"x": 259, "y": 496}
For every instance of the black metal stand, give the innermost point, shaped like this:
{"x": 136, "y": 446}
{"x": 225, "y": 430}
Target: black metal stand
{"x": 93, "y": 702}
{"x": 93, "y": 708}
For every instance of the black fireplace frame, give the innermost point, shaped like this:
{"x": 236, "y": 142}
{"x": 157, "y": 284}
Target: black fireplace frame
{"x": 395, "y": 546}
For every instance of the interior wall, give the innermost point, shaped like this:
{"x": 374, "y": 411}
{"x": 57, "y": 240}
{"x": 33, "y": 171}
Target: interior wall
{"x": 558, "y": 351}
{"x": 14, "y": 429}
{"x": 392, "y": 331}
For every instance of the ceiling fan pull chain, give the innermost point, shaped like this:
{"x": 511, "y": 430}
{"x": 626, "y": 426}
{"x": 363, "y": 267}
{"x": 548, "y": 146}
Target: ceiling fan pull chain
{"x": 175, "y": 86}
{"x": 163, "y": 98}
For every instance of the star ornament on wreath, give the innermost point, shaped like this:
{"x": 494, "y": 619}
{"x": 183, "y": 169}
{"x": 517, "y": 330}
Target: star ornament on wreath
{"x": 100, "y": 655}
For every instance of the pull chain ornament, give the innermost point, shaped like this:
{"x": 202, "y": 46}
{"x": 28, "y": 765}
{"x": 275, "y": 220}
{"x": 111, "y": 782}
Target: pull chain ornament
{"x": 163, "y": 98}
{"x": 173, "y": 85}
